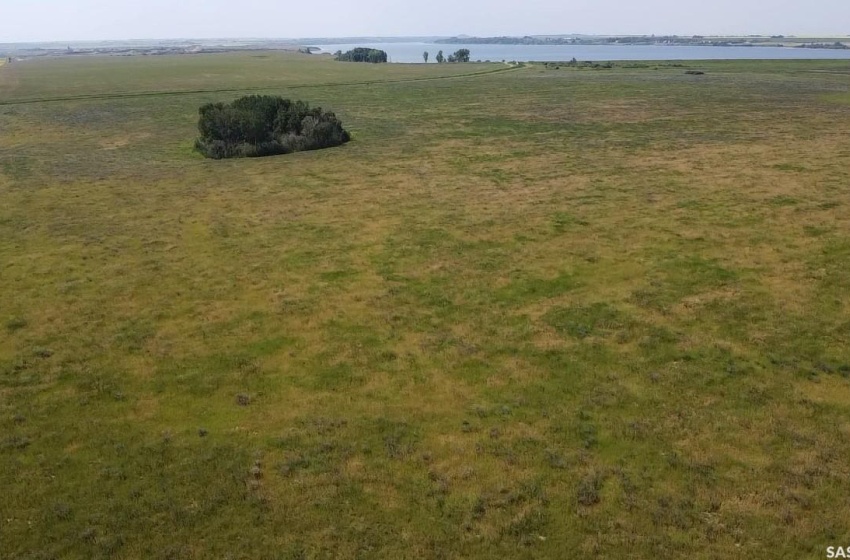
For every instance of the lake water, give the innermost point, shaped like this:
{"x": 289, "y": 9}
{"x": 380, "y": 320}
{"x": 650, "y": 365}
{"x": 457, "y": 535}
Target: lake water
{"x": 412, "y": 52}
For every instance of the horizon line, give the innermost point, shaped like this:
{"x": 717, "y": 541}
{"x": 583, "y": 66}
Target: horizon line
{"x": 462, "y": 35}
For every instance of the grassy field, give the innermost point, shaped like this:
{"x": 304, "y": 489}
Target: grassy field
{"x": 526, "y": 313}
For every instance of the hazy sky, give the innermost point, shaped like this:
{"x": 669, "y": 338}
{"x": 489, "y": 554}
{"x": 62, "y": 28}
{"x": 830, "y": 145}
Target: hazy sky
{"x": 63, "y": 20}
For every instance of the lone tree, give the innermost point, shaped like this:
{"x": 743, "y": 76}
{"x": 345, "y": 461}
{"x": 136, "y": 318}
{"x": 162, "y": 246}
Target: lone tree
{"x": 440, "y": 57}
{"x": 425, "y": 56}
{"x": 461, "y": 55}
{"x": 362, "y": 54}
{"x": 265, "y": 125}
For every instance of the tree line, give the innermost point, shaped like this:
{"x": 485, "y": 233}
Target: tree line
{"x": 365, "y": 54}
{"x": 460, "y": 55}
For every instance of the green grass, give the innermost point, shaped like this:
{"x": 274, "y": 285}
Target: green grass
{"x": 526, "y": 312}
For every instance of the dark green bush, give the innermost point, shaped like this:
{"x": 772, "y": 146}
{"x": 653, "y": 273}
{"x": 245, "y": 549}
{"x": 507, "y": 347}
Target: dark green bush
{"x": 264, "y": 125}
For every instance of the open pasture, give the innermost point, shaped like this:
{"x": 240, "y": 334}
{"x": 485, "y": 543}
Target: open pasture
{"x": 526, "y": 313}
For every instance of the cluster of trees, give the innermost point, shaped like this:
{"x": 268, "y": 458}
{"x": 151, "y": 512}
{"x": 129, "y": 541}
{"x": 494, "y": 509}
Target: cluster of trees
{"x": 263, "y": 125}
{"x": 362, "y": 54}
{"x": 836, "y": 45}
{"x": 461, "y": 55}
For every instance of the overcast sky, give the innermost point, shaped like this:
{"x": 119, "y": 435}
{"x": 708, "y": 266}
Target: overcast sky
{"x": 65, "y": 20}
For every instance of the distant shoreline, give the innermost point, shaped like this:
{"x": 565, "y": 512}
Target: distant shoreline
{"x": 309, "y": 46}
{"x": 674, "y": 40}
{"x": 155, "y": 50}
{"x": 290, "y": 43}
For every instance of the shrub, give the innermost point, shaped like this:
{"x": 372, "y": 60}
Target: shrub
{"x": 264, "y": 125}
{"x": 589, "y": 490}
{"x": 15, "y": 324}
